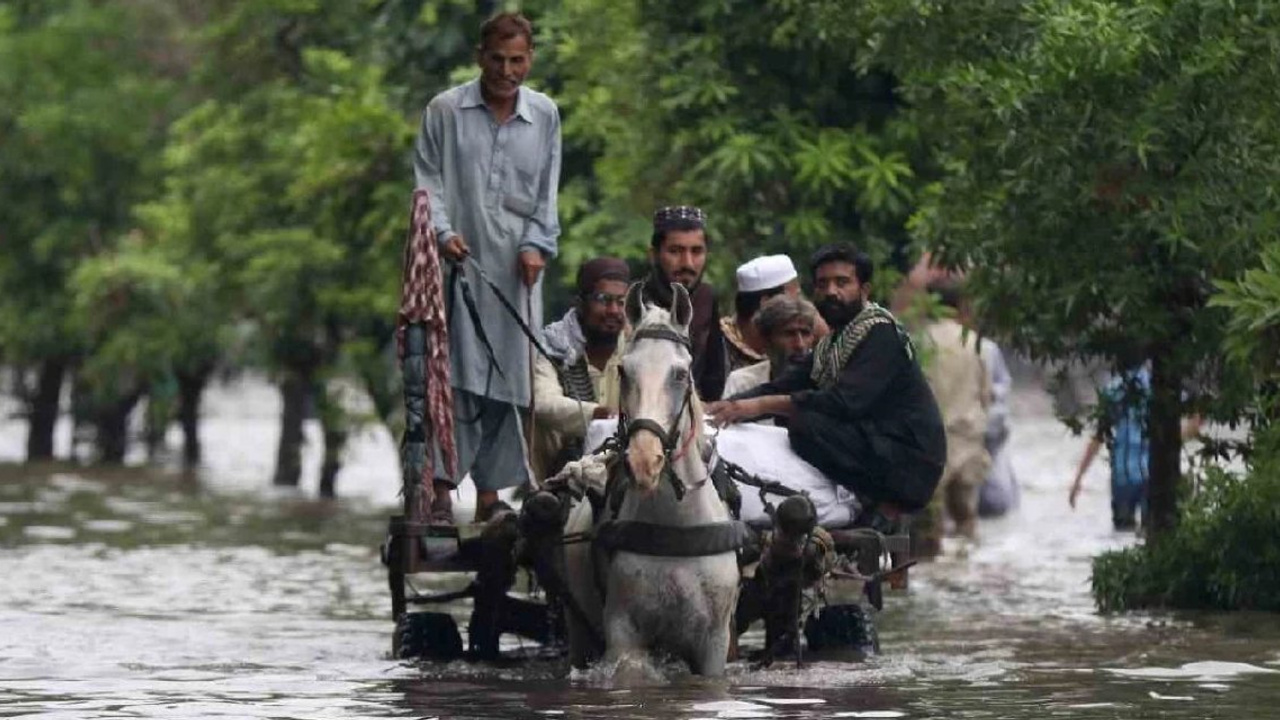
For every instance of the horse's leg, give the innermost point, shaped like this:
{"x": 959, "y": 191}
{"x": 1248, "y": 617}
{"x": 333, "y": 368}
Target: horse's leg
{"x": 714, "y": 653}
{"x": 625, "y": 649}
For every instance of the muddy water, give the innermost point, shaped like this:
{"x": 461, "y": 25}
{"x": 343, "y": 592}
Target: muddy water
{"x": 152, "y": 594}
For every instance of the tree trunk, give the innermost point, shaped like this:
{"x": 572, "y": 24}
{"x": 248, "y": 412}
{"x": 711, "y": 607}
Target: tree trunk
{"x": 111, "y": 422}
{"x": 1165, "y": 432}
{"x": 334, "y": 424}
{"x": 190, "y": 390}
{"x": 295, "y": 390}
{"x": 43, "y": 410}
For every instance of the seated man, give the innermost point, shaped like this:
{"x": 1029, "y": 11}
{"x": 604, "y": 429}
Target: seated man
{"x": 787, "y": 325}
{"x": 758, "y": 280}
{"x": 582, "y": 383}
{"x": 860, "y": 409}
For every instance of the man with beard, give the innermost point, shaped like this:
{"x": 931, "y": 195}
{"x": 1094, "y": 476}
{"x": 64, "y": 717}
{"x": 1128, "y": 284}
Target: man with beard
{"x": 786, "y": 324}
{"x": 581, "y": 384}
{"x": 678, "y": 254}
{"x": 488, "y": 155}
{"x": 860, "y": 409}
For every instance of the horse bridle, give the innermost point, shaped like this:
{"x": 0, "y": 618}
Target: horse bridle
{"x": 670, "y": 435}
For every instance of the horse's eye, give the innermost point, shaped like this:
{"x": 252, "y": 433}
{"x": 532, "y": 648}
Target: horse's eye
{"x": 680, "y": 374}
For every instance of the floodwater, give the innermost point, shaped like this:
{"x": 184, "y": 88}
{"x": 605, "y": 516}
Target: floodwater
{"x": 146, "y": 593}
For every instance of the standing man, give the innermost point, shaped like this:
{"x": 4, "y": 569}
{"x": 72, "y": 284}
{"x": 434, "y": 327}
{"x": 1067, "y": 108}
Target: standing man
{"x": 678, "y": 254}
{"x": 489, "y": 156}
{"x": 963, "y": 390}
{"x": 860, "y": 409}
{"x": 581, "y": 384}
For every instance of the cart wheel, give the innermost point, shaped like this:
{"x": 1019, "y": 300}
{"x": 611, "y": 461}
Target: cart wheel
{"x": 429, "y": 635}
{"x": 843, "y": 627}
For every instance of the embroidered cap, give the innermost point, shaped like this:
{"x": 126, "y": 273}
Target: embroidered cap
{"x": 666, "y": 216}
{"x": 765, "y": 273}
{"x": 601, "y": 268}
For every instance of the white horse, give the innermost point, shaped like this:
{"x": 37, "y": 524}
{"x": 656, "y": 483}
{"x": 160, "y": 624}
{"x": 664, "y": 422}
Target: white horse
{"x": 669, "y": 571}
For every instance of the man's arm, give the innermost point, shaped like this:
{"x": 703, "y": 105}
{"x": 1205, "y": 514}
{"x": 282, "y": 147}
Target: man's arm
{"x": 794, "y": 378}
{"x": 1090, "y": 452}
{"x": 728, "y": 412}
{"x": 542, "y": 232}
{"x": 428, "y": 167}
{"x": 863, "y": 380}
{"x": 553, "y": 408}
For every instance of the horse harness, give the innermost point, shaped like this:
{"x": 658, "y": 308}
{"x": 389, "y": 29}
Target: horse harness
{"x": 656, "y": 539}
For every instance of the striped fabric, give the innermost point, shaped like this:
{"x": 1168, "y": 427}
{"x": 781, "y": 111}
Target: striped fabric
{"x": 422, "y": 301}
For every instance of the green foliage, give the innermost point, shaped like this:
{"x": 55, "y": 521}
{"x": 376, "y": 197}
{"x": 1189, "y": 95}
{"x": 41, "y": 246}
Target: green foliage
{"x": 1100, "y": 168}
{"x": 732, "y": 106}
{"x": 1253, "y": 332}
{"x": 1224, "y": 554}
{"x": 83, "y": 113}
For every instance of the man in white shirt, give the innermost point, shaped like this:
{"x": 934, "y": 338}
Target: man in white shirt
{"x": 581, "y": 384}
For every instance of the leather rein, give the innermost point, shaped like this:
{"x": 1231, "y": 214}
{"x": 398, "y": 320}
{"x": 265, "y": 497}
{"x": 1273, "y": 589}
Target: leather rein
{"x": 672, "y": 449}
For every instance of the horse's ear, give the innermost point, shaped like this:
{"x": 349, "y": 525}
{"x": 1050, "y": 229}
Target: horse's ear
{"x": 681, "y": 306}
{"x": 635, "y": 303}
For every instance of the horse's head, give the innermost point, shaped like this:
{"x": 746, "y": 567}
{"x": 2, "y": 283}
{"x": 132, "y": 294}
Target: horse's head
{"x": 657, "y": 395}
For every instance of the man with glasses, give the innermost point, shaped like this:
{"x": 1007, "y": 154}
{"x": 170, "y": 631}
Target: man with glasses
{"x": 581, "y": 385}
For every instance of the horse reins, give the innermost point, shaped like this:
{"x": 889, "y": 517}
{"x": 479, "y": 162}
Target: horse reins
{"x": 669, "y": 436}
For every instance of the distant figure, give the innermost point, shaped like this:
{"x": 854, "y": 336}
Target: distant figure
{"x": 959, "y": 381}
{"x": 581, "y": 384}
{"x": 488, "y": 153}
{"x": 678, "y": 254}
{"x": 1125, "y": 399}
{"x": 786, "y": 323}
{"x": 999, "y": 493}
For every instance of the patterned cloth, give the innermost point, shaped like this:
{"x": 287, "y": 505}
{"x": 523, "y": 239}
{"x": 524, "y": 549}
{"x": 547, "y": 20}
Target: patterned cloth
{"x": 739, "y": 352}
{"x": 832, "y": 352}
{"x": 422, "y": 301}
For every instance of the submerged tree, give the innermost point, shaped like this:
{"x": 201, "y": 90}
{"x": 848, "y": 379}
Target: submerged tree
{"x": 86, "y": 99}
{"x": 1104, "y": 162}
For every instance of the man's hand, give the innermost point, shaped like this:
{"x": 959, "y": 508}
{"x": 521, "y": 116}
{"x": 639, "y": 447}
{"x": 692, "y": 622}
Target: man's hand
{"x": 603, "y": 412}
{"x": 531, "y": 264}
{"x": 455, "y": 249}
{"x": 728, "y": 412}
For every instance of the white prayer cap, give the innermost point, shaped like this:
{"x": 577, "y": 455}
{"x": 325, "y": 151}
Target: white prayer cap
{"x": 765, "y": 273}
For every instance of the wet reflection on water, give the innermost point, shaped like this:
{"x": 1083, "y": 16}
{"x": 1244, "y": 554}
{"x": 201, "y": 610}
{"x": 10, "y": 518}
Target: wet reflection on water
{"x": 146, "y": 593}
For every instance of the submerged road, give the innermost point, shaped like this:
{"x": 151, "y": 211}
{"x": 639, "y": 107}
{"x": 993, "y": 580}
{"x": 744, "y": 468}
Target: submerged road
{"x": 145, "y": 593}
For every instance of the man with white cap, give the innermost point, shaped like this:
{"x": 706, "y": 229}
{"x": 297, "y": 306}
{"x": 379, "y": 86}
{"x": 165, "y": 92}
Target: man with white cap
{"x": 757, "y": 280}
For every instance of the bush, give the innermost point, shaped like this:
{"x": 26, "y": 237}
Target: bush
{"x": 1223, "y": 555}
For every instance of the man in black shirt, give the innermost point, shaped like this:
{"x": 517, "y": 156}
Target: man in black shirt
{"x": 860, "y": 409}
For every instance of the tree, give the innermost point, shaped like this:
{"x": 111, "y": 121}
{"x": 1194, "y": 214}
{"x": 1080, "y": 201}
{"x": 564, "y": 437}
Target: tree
{"x": 735, "y": 106}
{"x": 1102, "y": 163}
{"x": 84, "y": 110}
